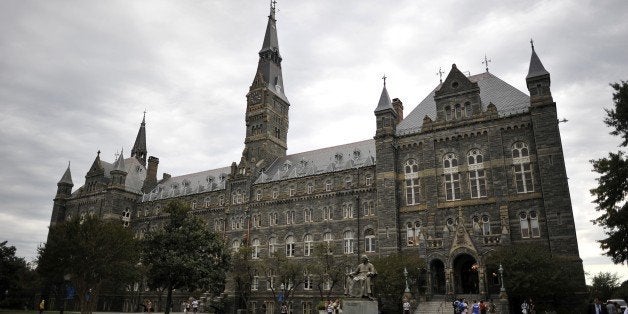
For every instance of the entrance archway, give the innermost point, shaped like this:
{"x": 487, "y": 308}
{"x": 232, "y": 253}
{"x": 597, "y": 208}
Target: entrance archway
{"x": 437, "y": 271}
{"x": 466, "y": 280}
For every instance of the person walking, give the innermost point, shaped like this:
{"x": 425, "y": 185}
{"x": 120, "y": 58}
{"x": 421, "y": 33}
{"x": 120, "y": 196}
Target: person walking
{"x": 195, "y": 306}
{"x": 42, "y": 306}
{"x": 406, "y": 306}
{"x": 525, "y": 307}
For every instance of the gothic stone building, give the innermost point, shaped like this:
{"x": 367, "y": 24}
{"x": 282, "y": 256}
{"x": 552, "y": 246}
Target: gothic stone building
{"x": 477, "y": 165}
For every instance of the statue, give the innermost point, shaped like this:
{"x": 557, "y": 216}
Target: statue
{"x": 361, "y": 279}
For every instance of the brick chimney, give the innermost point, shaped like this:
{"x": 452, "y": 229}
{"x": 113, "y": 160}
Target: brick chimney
{"x": 398, "y": 106}
{"x": 151, "y": 174}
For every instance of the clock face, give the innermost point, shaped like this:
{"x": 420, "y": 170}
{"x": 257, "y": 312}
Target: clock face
{"x": 255, "y": 97}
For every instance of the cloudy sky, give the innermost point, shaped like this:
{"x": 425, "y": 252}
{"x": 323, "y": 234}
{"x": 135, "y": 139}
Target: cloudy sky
{"x": 75, "y": 77}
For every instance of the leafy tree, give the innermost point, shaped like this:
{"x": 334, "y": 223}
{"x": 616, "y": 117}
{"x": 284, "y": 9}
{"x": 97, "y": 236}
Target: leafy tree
{"x": 185, "y": 254}
{"x": 327, "y": 271}
{"x": 610, "y": 195}
{"x": 604, "y": 284}
{"x": 390, "y": 283}
{"x": 243, "y": 271}
{"x": 92, "y": 252}
{"x": 287, "y": 274}
{"x": 531, "y": 270}
{"x": 18, "y": 282}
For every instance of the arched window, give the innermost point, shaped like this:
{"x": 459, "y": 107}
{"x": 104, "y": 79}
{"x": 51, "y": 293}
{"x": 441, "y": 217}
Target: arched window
{"x": 289, "y": 246}
{"x": 126, "y": 217}
{"x": 235, "y": 245}
{"x": 412, "y": 182}
{"x": 348, "y": 242}
{"x": 272, "y": 246}
{"x": 468, "y": 110}
{"x": 529, "y": 223}
{"x": 477, "y": 176}
{"x": 522, "y": 167}
{"x": 327, "y": 213}
{"x": 207, "y": 202}
{"x": 347, "y": 210}
{"x": 328, "y": 185}
{"x": 328, "y": 238}
{"x": 368, "y": 179}
{"x": 486, "y": 225}
{"x": 307, "y": 215}
{"x": 458, "y": 111}
{"x": 221, "y": 200}
{"x": 452, "y": 177}
{"x": 258, "y": 195}
{"x": 307, "y": 244}
{"x": 310, "y": 187}
{"x": 447, "y": 113}
{"x": 255, "y": 246}
{"x": 272, "y": 219}
{"x": 275, "y": 193}
{"x": 369, "y": 241}
{"x": 290, "y": 217}
{"x": 255, "y": 282}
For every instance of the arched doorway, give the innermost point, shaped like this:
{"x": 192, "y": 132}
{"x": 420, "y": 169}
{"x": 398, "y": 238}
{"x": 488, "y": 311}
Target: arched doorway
{"x": 466, "y": 280}
{"x": 437, "y": 271}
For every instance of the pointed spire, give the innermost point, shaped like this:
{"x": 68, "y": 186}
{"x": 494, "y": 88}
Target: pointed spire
{"x": 119, "y": 165}
{"x": 536, "y": 67}
{"x": 269, "y": 65}
{"x": 67, "y": 176}
{"x": 384, "y": 100}
{"x": 139, "y": 148}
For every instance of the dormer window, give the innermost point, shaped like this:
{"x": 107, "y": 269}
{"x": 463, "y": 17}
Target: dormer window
{"x": 222, "y": 177}
{"x": 356, "y": 154}
{"x": 338, "y": 157}
{"x": 287, "y": 165}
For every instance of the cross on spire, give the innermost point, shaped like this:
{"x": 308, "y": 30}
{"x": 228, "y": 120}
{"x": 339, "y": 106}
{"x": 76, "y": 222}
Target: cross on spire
{"x": 532, "y": 44}
{"x": 273, "y": 5}
{"x": 440, "y": 74}
{"x": 384, "y": 78}
{"x": 485, "y": 62}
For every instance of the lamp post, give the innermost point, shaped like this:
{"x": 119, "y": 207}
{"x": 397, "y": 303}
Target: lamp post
{"x": 503, "y": 297}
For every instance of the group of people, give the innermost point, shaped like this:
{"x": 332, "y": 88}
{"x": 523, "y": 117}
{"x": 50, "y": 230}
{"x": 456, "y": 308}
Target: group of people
{"x": 482, "y": 307}
{"x": 190, "y": 304}
{"x": 528, "y": 307}
{"x": 598, "y": 307}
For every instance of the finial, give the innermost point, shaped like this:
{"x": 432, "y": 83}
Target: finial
{"x": 68, "y": 164}
{"x": 485, "y": 62}
{"x": 440, "y": 74}
{"x": 384, "y": 78}
{"x": 98, "y": 153}
{"x": 532, "y": 44}
{"x": 144, "y": 117}
{"x": 273, "y": 6}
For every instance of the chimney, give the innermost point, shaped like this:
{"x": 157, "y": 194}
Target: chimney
{"x": 398, "y": 107}
{"x": 166, "y": 176}
{"x": 151, "y": 174}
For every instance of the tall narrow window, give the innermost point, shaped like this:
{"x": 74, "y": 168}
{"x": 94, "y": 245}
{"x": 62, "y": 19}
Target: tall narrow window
{"x": 272, "y": 246}
{"x": 310, "y": 187}
{"x": 468, "y": 110}
{"x": 369, "y": 241}
{"x": 486, "y": 225}
{"x": 368, "y": 180}
{"x": 235, "y": 245}
{"x": 255, "y": 282}
{"x": 477, "y": 177}
{"x": 347, "y": 210}
{"x": 307, "y": 215}
{"x": 534, "y": 224}
{"x": 522, "y": 167}
{"x": 126, "y": 217}
{"x": 258, "y": 195}
{"x": 207, "y": 202}
{"x": 290, "y": 246}
{"x": 367, "y": 208}
{"x": 412, "y": 182}
{"x": 525, "y": 225}
{"x": 290, "y": 217}
{"x": 272, "y": 219}
{"x": 307, "y": 245}
{"x": 275, "y": 193}
{"x": 348, "y": 242}
{"x": 328, "y": 239}
{"x": 410, "y": 234}
{"x": 255, "y": 246}
{"x": 327, "y": 213}
{"x": 452, "y": 177}
{"x": 348, "y": 182}
{"x": 447, "y": 113}
{"x": 458, "y": 111}
{"x": 328, "y": 185}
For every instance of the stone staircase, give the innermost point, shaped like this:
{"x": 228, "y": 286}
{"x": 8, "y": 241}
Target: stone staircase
{"x": 434, "y": 307}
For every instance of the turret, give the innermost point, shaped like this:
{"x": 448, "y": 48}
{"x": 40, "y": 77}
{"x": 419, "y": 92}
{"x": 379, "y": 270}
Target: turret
{"x": 64, "y": 191}
{"x": 538, "y": 81}
{"x": 139, "y": 147}
{"x": 118, "y": 174}
{"x": 385, "y": 114}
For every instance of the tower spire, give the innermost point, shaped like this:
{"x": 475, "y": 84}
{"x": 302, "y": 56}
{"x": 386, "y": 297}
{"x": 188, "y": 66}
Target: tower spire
{"x": 139, "y": 148}
{"x": 269, "y": 65}
{"x": 538, "y": 80}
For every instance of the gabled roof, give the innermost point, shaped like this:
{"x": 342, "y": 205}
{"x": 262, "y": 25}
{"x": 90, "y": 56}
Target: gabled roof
{"x": 506, "y": 98}
{"x": 208, "y": 180}
{"x": 324, "y": 160}
{"x": 136, "y": 173}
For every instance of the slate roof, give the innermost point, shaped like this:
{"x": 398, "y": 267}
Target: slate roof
{"x": 384, "y": 101}
{"x": 506, "y": 98}
{"x": 67, "y": 176}
{"x": 536, "y": 67}
{"x": 208, "y": 180}
{"x": 324, "y": 160}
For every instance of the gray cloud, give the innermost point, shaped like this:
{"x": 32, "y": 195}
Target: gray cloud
{"x": 75, "y": 77}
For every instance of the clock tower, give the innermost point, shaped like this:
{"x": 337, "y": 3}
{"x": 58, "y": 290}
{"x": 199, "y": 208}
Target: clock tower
{"x": 267, "y": 106}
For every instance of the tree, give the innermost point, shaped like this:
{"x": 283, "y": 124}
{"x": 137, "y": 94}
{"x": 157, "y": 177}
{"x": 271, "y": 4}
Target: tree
{"x": 327, "y": 271}
{"x": 18, "y": 281}
{"x": 90, "y": 252}
{"x": 610, "y": 195}
{"x": 243, "y": 271}
{"x": 284, "y": 275}
{"x": 390, "y": 283}
{"x": 185, "y": 254}
{"x": 604, "y": 285}
{"x": 531, "y": 270}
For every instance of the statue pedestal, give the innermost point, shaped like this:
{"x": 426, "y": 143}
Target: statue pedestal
{"x": 359, "y": 306}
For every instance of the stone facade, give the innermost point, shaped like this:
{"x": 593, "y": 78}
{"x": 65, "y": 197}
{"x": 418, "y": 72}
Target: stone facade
{"x": 475, "y": 166}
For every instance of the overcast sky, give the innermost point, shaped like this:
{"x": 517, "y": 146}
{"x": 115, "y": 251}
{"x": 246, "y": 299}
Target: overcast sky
{"x": 75, "y": 77}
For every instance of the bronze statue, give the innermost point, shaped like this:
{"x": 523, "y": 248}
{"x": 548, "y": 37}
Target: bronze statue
{"x": 361, "y": 284}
